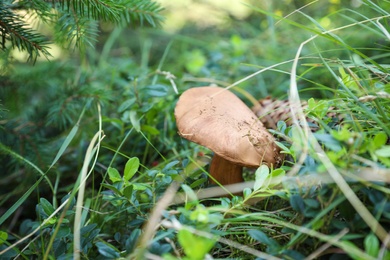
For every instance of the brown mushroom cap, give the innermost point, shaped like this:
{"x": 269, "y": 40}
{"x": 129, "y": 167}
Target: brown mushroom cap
{"x": 217, "y": 119}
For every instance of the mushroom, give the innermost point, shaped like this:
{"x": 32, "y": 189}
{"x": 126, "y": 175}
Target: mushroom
{"x": 217, "y": 119}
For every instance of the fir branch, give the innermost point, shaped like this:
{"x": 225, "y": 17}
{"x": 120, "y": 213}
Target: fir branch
{"x": 37, "y": 8}
{"x": 75, "y": 30}
{"x": 141, "y": 10}
{"x": 14, "y": 30}
{"x": 75, "y": 21}
{"x": 106, "y": 10}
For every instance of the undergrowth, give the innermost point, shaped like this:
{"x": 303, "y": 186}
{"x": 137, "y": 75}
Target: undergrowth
{"x": 93, "y": 167}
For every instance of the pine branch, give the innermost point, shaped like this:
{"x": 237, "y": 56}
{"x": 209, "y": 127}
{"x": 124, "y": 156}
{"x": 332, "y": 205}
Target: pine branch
{"x": 77, "y": 30}
{"x": 14, "y": 30}
{"x": 106, "y": 10}
{"x": 143, "y": 10}
{"x": 116, "y": 10}
{"x": 75, "y": 21}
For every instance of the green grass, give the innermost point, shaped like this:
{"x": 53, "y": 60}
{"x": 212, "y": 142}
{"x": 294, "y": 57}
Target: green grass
{"x": 98, "y": 170}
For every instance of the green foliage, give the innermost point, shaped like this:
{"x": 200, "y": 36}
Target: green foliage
{"x": 125, "y": 87}
{"x": 73, "y": 21}
{"x": 195, "y": 247}
{"x": 14, "y": 30}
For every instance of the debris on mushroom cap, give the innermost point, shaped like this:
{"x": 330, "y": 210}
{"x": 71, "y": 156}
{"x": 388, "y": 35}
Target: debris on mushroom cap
{"x": 216, "y": 118}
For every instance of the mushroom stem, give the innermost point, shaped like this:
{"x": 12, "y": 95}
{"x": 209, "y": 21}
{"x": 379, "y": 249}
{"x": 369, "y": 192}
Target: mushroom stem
{"x": 225, "y": 172}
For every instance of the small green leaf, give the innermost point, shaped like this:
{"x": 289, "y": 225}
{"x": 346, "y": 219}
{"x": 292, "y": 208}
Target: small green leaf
{"x": 195, "y": 61}
{"x": 260, "y": 236}
{"x": 126, "y": 105}
{"x": 371, "y": 245}
{"x": 380, "y": 139}
{"x": 128, "y": 191}
{"x": 261, "y": 175}
{"x": 311, "y": 104}
{"x": 131, "y": 168}
{"x": 312, "y": 203}
{"x": 278, "y": 173}
{"x": 114, "y": 175}
{"x": 283, "y": 147}
{"x": 297, "y": 203}
{"x": 3, "y": 237}
{"x": 135, "y": 120}
{"x": 140, "y": 186}
{"x": 189, "y": 192}
{"x": 113, "y": 188}
{"x": 150, "y": 130}
{"x": 200, "y": 214}
{"x": 318, "y": 224}
{"x": 195, "y": 247}
{"x": 247, "y": 192}
{"x": 46, "y": 206}
{"x": 343, "y": 135}
{"x": 384, "y": 151}
{"x": 157, "y": 90}
{"x": 198, "y": 183}
{"x": 107, "y": 250}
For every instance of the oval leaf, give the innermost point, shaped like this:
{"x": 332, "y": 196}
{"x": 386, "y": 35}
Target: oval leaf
{"x": 384, "y": 151}
{"x": 297, "y": 203}
{"x": 3, "y": 237}
{"x": 371, "y": 245}
{"x": 128, "y": 191}
{"x": 135, "y": 120}
{"x": 114, "y": 175}
{"x": 195, "y": 247}
{"x": 131, "y": 168}
{"x": 46, "y": 206}
{"x": 261, "y": 174}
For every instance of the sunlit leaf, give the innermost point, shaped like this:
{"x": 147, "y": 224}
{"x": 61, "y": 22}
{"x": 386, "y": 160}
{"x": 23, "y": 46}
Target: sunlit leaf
{"x": 195, "y": 247}
{"x": 131, "y": 168}
{"x": 114, "y": 175}
{"x": 261, "y": 175}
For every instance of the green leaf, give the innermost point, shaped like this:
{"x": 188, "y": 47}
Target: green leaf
{"x": 195, "y": 247}
{"x": 140, "y": 186}
{"x": 63, "y": 231}
{"x": 384, "y": 151}
{"x": 131, "y": 168}
{"x": 261, "y": 175}
{"x": 113, "y": 188}
{"x": 126, "y": 104}
{"x": 318, "y": 224}
{"x": 157, "y": 90}
{"x": 380, "y": 139}
{"x": 189, "y": 192}
{"x": 46, "y": 206}
{"x": 114, "y": 175}
{"x": 350, "y": 81}
{"x": 150, "y": 129}
{"x": 297, "y": 203}
{"x": 312, "y": 203}
{"x": 3, "y": 237}
{"x": 128, "y": 191}
{"x": 260, "y": 236}
{"x": 107, "y": 250}
{"x": 198, "y": 183}
{"x": 195, "y": 61}
{"x": 371, "y": 245}
{"x": 343, "y": 135}
{"x": 247, "y": 192}
{"x": 135, "y": 120}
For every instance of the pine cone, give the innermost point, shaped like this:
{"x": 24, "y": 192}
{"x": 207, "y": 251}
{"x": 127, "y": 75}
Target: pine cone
{"x": 270, "y": 111}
